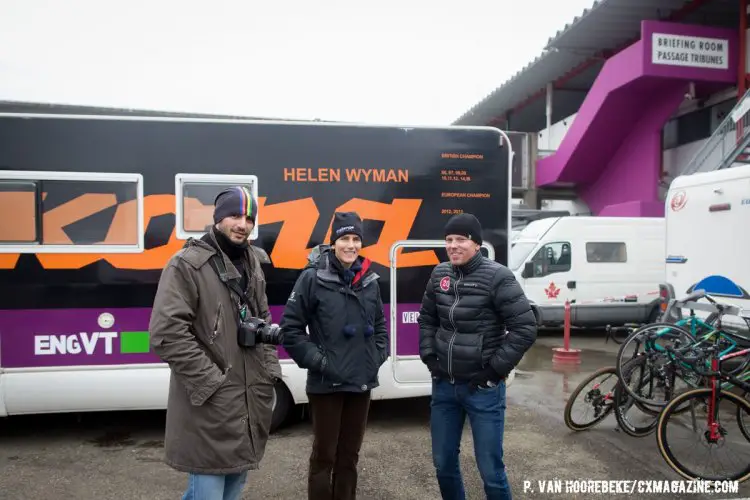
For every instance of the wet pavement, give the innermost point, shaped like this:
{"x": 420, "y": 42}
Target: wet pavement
{"x": 118, "y": 455}
{"x": 544, "y": 387}
{"x": 547, "y": 385}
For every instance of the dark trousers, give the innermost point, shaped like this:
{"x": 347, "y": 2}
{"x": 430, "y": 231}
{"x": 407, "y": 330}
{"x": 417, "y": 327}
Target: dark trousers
{"x": 339, "y": 421}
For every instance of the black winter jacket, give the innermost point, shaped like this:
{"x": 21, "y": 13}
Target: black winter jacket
{"x": 473, "y": 316}
{"x": 343, "y": 311}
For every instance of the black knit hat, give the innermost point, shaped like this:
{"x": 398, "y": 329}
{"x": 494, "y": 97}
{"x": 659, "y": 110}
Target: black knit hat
{"x": 345, "y": 223}
{"x": 235, "y": 201}
{"x": 465, "y": 225}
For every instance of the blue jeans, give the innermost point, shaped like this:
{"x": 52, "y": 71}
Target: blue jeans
{"x": 210, "y": 487}
{"x": 486, "y": 409}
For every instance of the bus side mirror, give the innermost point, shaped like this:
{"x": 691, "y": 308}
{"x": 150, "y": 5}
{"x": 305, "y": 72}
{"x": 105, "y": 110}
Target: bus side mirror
{"x": 528, "y": 270}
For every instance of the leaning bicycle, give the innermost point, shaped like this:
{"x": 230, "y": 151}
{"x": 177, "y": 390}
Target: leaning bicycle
{"x": 599, "y": 395}
{"x": 664, "y": 376}
{"x": 711, "y": 421}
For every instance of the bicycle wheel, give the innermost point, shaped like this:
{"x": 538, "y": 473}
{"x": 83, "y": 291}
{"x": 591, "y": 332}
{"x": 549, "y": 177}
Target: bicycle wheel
{"x": 620, "y": 334}
{"x": 657, "y": 383}
{"x": 744, "y": 418}
{"x": 597, "y": 399}
{"x": 670, "y": 425}
{"x": 633, "y": 417}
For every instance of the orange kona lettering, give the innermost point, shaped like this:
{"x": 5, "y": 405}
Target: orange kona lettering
{"x": 290, "y": 249}
{"x": 8, "y": 260}
{"x": 76, "y": 209}
{"x": 124, "y": 227}
{"x": 153, "y": 258}
{"x": 299, "y": 218}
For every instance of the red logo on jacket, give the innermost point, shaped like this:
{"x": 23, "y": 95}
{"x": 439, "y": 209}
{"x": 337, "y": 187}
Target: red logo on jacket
{"x": 445, "y": 284}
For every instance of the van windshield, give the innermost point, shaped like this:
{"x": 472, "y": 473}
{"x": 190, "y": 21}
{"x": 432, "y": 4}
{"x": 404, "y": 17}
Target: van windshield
{"x": 519, "y": 252}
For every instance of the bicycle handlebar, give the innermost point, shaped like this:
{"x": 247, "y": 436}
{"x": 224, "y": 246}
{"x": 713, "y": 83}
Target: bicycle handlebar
{"x": 704, "y": 353}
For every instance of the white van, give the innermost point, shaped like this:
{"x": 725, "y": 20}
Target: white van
{"x": 707, "y": 237}
{"x": 609, "y": 268}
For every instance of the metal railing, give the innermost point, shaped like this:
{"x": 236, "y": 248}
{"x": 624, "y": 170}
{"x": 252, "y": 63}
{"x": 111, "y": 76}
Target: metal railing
{"x": 725, "y": 144}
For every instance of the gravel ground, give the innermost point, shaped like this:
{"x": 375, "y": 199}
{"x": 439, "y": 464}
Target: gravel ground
{"x": 118, "y": 455}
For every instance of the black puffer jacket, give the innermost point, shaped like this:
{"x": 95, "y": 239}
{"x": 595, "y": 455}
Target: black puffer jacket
{"x": 473, "y": 316}
{"x": 343, "y": 310}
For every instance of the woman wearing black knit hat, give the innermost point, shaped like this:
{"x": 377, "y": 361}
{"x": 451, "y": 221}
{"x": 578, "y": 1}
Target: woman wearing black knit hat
{"x": 337, "y": 297}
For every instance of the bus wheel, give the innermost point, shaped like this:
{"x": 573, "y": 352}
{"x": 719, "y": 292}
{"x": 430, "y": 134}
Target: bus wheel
{"x": 281, "y": 405}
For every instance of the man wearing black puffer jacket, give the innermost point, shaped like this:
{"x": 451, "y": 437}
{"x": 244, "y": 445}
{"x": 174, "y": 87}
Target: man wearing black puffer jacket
{"x": 475, "y": 326}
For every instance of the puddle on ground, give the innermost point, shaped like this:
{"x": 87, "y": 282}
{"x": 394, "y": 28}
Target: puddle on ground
{"x": 150, "y": 451}
{"x": 539, "y": 358}
{"x": 114, "y": 439}
{"x": 152, "y": 444}
{"x": 546, "y": 386}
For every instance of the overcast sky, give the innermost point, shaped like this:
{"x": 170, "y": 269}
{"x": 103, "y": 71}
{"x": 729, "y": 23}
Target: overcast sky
{"x": 386, "y": 61}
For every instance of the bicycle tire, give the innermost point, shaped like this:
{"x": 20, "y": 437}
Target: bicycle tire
{"x": 619, "y": 363}
{"x": 663, "y": 444}
{"x": 576, "y": 392}
{"x": 744, "y": 428}
{"x": 619, "y": 339}
{"x": 620, "y": 415}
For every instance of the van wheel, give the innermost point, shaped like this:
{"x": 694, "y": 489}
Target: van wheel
{"x": 536, "y": 316}
{"x": 654, "y": 316}
{"x": 281, "y": 405}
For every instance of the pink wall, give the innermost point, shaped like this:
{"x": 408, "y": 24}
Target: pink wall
{"x": 632, "y": 173}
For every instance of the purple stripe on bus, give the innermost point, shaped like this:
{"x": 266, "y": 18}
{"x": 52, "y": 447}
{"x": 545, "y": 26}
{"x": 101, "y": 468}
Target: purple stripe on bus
{"x": 69, "y": 337}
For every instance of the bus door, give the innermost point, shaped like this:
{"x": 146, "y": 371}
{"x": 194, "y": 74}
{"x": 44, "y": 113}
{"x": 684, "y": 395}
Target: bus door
{"x": 407, "y": 286}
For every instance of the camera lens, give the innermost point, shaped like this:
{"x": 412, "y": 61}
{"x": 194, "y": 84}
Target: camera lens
{"x": 271, "y": 334}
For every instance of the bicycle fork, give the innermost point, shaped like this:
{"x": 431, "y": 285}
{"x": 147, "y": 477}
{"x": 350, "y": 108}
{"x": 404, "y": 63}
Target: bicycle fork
{"x": 713, "y": 433}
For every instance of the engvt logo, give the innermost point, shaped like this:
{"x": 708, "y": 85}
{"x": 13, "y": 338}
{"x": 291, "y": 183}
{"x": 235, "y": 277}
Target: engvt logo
{"x": 91, "y": 343}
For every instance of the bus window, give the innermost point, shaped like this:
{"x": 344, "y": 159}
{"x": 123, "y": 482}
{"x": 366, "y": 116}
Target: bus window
{"x": 71, "y": 212}
{"x": 19, "y": 199}
{"x": 195, "y": 195}
{"x": 94, "y": 213}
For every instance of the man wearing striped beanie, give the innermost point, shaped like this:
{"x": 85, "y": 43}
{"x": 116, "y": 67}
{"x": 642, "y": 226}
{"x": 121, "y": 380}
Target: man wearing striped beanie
{"x": 235, "y": 211}
{"x": 219, "y": 407}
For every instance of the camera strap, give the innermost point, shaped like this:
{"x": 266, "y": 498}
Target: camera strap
{"x": 217, "y": 263}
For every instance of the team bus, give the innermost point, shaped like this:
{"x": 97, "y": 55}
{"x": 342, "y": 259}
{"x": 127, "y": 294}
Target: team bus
{"x": 92, "y": 207}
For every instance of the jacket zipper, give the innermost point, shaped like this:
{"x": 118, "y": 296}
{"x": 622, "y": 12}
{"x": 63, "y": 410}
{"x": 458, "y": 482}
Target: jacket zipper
{"x": 215, "y": 331}
{"x": 453, "y": 337}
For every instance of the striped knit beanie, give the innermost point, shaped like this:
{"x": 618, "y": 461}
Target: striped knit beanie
{"x": 235, "y": 201}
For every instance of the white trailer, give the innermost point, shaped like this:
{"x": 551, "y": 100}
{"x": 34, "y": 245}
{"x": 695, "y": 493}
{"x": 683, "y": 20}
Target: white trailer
{"x": 708, "y": 241}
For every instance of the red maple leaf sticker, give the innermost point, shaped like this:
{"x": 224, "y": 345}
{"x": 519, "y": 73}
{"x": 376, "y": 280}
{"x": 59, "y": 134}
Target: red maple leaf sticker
{"x": 552, "y": 291}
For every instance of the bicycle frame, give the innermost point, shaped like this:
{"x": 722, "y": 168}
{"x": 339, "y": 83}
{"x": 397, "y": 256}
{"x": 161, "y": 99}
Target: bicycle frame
{"x": 715, "y": 376}
{"x": 714, "y": 337}
{"x": 712, "y": 323}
